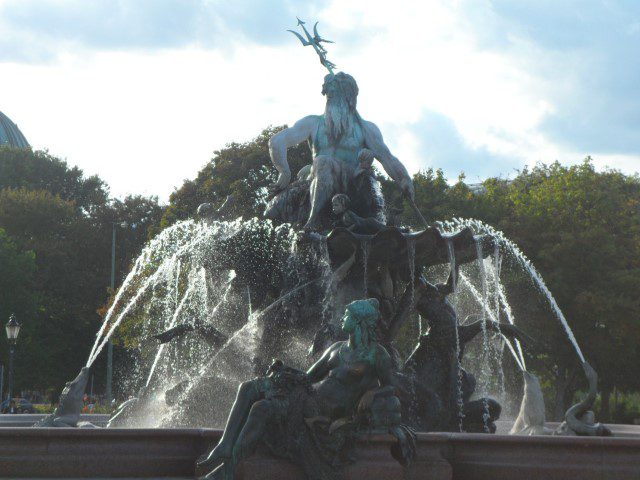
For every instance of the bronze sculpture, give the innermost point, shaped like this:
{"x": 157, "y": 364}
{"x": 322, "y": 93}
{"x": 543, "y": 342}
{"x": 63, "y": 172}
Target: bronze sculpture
{"x": 312, "y": 414}
{"x": 336, "y": 138}
{"x": 67, "y": 413}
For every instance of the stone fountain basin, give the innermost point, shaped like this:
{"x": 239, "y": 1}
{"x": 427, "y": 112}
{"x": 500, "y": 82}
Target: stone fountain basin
{"x": 170, "y": 453}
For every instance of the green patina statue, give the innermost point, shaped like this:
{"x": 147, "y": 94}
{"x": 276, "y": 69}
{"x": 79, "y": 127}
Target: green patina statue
{"x": 336, "y": 138}
{"x": 311, "y": 417}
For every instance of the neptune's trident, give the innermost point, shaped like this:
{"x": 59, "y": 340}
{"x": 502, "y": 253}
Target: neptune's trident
{"x": 315, "y": 42}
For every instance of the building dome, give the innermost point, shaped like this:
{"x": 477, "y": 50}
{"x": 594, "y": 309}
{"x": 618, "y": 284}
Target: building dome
{"x": 10, "y": 134}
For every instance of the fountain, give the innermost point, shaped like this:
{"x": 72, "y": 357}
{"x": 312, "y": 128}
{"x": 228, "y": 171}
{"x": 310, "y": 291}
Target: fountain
{"x": 212, "y": 302}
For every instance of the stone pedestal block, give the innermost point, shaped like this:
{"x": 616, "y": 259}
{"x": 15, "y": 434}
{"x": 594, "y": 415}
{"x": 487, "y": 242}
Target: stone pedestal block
{"x": 171, "y": 453}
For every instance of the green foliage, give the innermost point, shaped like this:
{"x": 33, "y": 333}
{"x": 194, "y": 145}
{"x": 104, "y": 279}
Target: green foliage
{"x": 62, "y": 222}
{"x": 57, "y": 233}
{"x": 22, "y": 168}
{"x": 580, "y": 227}
{"x": 16, "y": 289}
{"x": 44, "y": 408}
{"x": 98, "y": 409}
{"x": 623, "y": 408}
{"x": 242, "y": 170}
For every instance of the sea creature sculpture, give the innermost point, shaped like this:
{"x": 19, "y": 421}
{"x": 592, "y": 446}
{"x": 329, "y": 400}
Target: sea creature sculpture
{"x": 210, "y": 334}
{"x": 580, "y": 419}
{"x": 67, "y": 413}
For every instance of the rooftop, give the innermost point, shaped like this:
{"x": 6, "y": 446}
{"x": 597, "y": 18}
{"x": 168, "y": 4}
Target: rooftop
{"x": 10, "y": 134}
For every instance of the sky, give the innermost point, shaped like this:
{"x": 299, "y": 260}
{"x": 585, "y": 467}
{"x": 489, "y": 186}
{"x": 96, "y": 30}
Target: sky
{"x": 142, "y": 92}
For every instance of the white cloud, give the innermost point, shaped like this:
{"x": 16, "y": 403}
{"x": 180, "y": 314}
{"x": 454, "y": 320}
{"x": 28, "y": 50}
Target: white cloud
{"x": 146, "y": 122}
{"x": 146, "y": 119}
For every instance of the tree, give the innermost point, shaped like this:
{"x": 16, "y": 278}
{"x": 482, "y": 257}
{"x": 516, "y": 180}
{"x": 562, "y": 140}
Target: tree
{"x": 581, "y": 228}
{"x": 64, "y": 220}
{"x": 137, "y": 220}
{"x": 17, "y": 296}
{"x": 23, "y": 168}
{"x": 69, "y": 278}
{"x": 243, "y": 170}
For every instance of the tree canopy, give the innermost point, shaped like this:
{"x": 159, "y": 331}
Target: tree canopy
{"x": 56, "y": 235}
{"x": 579, "y": 226}
{"x": 240, "y": 169}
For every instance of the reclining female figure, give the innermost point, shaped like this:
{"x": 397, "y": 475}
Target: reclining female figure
{"x": 295, "y": 413}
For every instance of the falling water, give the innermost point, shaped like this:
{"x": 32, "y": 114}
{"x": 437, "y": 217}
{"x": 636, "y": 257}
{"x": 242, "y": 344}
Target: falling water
{"x": 164, "y": 253}
{"x": 485, "y": 293}
{"x": 453, "y": 296}
{"x": 477, "y": 296}
{"x": 194, "y": 284}
{"x": 506, "y": 306}
{"x": 169, "y": 284}
{"x": 495, "y": 271}
{"x": 244, "y": 337}
{"x": 479, "y": 226}
{"x": 411, "y": 259}
{"x": 249, "y": 301}
{"x": 172, "y": 324}
{"x": 495, "y": 264}
{"x": 230, "y": 364}
{"x": 500, "y": 300}
{"x": 488, "y": 311}
{"x": 328, "y": 284}
{"x": 452, "y": 269}
{"x": 486, "y": 348}
{"x": 176, "y": 287}
{"x": 366, "y": 247}
{"x": 99, "y": 346}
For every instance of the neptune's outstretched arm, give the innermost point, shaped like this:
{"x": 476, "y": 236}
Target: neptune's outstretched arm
{"x": 394, "y": 168}
{"x": 281, "y": 141}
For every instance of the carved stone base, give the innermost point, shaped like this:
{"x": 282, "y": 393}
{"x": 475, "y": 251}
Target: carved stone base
{"x": 374, "y": 461}
{"x": 171, "y": 453}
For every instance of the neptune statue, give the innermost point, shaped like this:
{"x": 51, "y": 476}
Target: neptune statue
{"x": 337, "y": 138}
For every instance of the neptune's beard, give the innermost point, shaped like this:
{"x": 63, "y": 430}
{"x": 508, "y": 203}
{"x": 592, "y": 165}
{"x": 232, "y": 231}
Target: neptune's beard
{"x": 338, "y": 117}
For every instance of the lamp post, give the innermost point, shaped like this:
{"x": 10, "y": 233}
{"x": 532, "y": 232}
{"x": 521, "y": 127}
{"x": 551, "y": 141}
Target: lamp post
{"x": 113, "y": 287}
{"x": 13, "y": 329}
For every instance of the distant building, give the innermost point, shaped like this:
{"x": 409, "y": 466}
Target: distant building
{"x": 10, "y": 134}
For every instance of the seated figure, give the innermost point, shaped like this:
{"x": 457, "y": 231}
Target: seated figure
{"x": 293, "y": 203}
{"x": 308, "y": 417}
{"x": 336, "y": 138}
{"x": 341, "y": 205}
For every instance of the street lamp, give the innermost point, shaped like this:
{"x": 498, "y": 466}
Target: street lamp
{"x": 113, "y": 287}
{"x": 13, "y": 329}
